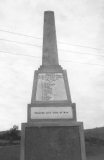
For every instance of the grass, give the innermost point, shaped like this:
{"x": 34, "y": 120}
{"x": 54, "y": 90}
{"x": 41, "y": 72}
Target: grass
{"x": 94, "y": 152}
{"x": 10, "y": 153}
{"x": 97, "y": 157}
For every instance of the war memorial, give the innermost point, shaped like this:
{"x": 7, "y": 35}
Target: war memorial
{"x": 52, "y": 131}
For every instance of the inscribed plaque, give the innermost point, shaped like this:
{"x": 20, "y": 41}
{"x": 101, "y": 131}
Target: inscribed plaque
{"x": 51, "y": 113}
{"x": 50, "y": 87}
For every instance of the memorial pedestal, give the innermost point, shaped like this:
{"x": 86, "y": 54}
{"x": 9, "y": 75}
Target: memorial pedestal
{"x": 48, "y": 141}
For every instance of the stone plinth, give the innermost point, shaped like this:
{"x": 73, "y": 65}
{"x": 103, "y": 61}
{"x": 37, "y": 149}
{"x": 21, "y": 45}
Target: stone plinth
{"x": 48, "y": 141}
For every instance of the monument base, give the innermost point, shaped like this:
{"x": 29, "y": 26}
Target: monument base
{"x": 52, "y": 141}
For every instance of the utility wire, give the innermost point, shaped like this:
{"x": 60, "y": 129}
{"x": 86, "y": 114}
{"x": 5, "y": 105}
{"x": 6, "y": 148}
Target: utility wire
{"x": 19, "y": 54}
{"x": 81, "y": 53}
{"x": 19, "y": 42}
{"x": 60, "y": 60}
{"x": 58, "y": 49}
{"x": 58, "y": 42}
{"x": 83, "y": 63}
{"x": 19, "y": 34}
{"x": 81, "y": 46}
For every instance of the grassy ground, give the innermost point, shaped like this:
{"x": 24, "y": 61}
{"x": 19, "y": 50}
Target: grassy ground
{"x": 10, "y": 153}
{"x": 97, "y": 157}
{"x": 93, "y": 152}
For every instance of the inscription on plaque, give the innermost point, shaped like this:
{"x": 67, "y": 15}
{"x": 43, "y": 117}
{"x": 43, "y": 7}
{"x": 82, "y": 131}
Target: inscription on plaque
{"x": 51, "y": 113}
{"x": 51, "y": 87}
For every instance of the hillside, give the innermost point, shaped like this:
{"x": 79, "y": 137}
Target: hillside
{"x": 92, "y": 136}
{"x": 92, "y": 133}
{"x": 95, "y": 132}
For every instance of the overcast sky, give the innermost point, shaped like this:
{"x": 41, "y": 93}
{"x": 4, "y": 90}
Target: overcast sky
{"x": 80, "y": 24}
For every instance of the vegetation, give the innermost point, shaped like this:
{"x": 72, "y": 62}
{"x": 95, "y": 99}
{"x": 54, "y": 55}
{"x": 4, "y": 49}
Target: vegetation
{"x": 95, "y": 136}
{"x": 10, "y": 137}
{"x": 13, "y": 136}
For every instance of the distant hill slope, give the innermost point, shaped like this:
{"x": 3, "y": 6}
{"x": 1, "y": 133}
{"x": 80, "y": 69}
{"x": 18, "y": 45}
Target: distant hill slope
{"x": 95, "y": 133}
{"x": 90, "y": 133}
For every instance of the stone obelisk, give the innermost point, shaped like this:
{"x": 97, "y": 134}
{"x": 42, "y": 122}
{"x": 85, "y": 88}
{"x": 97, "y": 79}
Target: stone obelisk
{"x": 50, "y": 54}
{"x": 52, "y": 131}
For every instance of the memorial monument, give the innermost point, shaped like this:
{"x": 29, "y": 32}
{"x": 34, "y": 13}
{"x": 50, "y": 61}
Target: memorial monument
{"x": 52, "y": 131}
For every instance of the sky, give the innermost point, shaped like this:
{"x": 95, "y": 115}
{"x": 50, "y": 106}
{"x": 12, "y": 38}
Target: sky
{"x": 80, "y": 40}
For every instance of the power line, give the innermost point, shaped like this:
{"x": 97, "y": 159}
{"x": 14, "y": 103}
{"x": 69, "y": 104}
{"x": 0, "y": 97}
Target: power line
{"x": 20, "y": 54}
{"x": 83, "y": 63}
{"x": 58, "y": 42}
{"x": 81, "y": 46}
{"x": 81, "y": 53}
{"x": 60, "y": 60}
{"x": 19, "y": 34}
{"x": 19, "y": 42}
{"x": 58, "y": 49}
